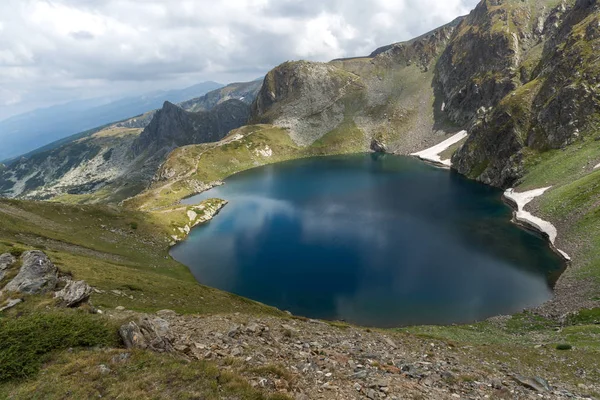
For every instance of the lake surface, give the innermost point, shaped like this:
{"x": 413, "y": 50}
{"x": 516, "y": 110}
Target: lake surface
{"x": 377, "y": 240}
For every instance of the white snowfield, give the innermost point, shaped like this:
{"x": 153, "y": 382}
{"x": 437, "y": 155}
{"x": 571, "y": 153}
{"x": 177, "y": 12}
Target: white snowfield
{"x": 432, "y": 154}
{"x": 525, "y": 217}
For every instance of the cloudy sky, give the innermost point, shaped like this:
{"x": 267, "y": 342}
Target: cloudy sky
{"x": 53, "y": 51}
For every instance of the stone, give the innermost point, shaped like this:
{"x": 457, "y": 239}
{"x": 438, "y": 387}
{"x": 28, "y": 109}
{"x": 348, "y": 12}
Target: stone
{"x": 74, "y": 293}
{"x": 497, "y": 384}
{"x": 237, "y": 351}
{"x": 37, "y": 275}
{"x": 166, "y": 313}
{"x": 390, "y": 342}
{"x": 6, "y": 261}
{"x": 151, "y": 333}
{"x": 132, "y": 336}
{"x": 538, "y": 384}
{"x": 10, "y": 303}
{"x": 104, "y": 369}
{"x": 359, "y": 375}
{"x": 372, "y": 394}
{"x": 120, "y": 308}
{"x": 378, "y": 146}
{"x": 233, "y": 331}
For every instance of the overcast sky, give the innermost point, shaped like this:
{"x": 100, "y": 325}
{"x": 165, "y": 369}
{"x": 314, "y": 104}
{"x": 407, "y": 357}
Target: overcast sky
{"x": 53, "y": 51}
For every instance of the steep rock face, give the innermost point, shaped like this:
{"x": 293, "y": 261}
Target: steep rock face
{"x": 310, "y": 99}
{"x": 421, "y": 50}
{"x": 173, "y": 127}
{"x": 482, "y": 62}
{"x": 558, "y": 103}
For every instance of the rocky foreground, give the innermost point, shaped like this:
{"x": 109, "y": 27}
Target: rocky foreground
{"x": 310, "y": 359}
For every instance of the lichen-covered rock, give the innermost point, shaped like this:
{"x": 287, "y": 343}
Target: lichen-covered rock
{"x": 37, "y": 274}
{"x": 132, "y": 336}
{"x": 149, "y": 333}
{"x": 74, "y": 293}
{"x": 6, "y": 261}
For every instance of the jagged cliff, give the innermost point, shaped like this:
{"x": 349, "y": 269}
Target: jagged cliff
{"x": 173, "y": 127}
{"x": 547, "y": 98}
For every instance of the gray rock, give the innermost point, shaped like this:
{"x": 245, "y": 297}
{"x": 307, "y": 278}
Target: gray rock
{"x": 37, "y": 275}
{"x": 166, "y": 313}
{"x": 132, "y": 336}
{"x": 10, "y": 303}
{"x": 372, "y": 394}
{"x": 74, "y": 293}
{"x": 378, "y": 146}
{"x": 359, "y": 375}
{"x": 151, "y": 333}
{"x": 104, "y": 369}
{"x": 6, "y": 261}
{"x": 538, "y": 384}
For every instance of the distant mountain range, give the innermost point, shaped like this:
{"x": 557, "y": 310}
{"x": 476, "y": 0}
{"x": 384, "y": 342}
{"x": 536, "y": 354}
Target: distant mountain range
{"x": 25, "y": 132}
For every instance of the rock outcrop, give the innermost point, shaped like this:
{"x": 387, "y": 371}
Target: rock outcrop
{"x": 173, "y": 127}
{"x": 37, "y": 275}
{"x": 74, "y": 293}
{"x": 6, "y": 261}
{"x": 151, "y": 333}
{"x": 543, "y": 95}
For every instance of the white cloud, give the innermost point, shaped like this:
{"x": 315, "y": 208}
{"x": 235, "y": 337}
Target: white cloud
{"x": 57, "y": 50}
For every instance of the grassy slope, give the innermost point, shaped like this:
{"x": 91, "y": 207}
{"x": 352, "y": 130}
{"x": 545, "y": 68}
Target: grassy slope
{"x": 145, "y": 375}
{"x": 572, "y": 203}
{"x": 100, "y": 245}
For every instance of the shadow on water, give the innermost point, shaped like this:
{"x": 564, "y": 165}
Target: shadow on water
{"x": 373, "y": 239}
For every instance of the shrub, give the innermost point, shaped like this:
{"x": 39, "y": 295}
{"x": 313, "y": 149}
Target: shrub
{"x": 26, "y": 342}
{"x": 133, "y": 225}
{"x": 17, "y": 251}
{"x": 563, "y": 346}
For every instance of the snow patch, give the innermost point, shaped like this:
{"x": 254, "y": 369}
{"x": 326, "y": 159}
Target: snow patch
{"x": 528, "y": 219}
{"x": 432, "y": 154}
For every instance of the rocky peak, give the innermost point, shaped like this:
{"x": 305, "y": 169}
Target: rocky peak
{"x": 173, "y": 127}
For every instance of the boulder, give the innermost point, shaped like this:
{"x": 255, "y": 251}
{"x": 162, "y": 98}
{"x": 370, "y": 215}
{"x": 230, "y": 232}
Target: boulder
{"x": 37, "y": 275}
{"x": 150, "y": 333}
{"x": 6, "y": 261}
{"x": 10, "y": 303}
{"x": 132, "y": 336}
{"x": 378, "y": 146}
{"x": 74, "y": 293}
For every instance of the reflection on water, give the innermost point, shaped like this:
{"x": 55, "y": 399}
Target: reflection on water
{"x": 382, "y": 241}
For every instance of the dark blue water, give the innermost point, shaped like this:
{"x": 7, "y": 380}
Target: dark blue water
{"x": 375, "y": 240}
